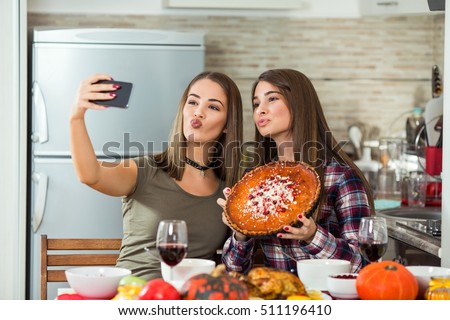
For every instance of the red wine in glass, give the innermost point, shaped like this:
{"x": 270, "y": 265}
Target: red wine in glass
{"x": 172, "y": 242}
{"x": 372, "y": 238}
{"x": 372, "y": 251}
{"x": 172, "y": 253}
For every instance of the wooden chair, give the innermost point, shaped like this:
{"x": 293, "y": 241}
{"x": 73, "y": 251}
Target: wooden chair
{"x": 57, "y": 255}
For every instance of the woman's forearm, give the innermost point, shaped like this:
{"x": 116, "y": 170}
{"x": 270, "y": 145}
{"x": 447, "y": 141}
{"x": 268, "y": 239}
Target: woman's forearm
{"x": 83, "y": 155}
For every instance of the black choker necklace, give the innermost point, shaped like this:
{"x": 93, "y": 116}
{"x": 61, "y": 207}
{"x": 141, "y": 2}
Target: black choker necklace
{"x": 197, "y": 166}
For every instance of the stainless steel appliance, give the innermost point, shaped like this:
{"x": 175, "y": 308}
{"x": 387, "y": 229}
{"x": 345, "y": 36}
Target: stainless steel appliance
{"x": 160, "y": 64}
{"x": 414, "y": 234}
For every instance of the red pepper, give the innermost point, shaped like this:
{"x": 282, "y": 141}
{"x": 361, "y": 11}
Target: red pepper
{"x": 70, "y": 296}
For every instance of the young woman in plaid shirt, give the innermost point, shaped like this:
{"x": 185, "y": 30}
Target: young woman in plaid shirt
{"x": 291, "y": 126}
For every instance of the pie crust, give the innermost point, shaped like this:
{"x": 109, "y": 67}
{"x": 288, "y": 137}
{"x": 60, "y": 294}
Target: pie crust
{"x": 272, "y": 196}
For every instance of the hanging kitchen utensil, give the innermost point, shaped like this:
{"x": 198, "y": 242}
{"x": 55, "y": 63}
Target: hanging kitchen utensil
{"x": 436, "y": 83}
{"x": 438, "y": 128}
{"x": 356, "y": 135}
{"x": 433, "y": 110}
{"x": 434, "y": 107}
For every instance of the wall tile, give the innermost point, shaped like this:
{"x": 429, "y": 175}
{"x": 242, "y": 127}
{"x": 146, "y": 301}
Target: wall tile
{"x": 371, "y": 70}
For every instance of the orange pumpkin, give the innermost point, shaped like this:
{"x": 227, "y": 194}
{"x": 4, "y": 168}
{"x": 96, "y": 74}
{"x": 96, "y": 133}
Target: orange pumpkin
{"x": 386, "y": 280}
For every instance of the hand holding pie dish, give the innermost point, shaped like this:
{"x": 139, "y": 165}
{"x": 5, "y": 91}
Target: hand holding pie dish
{"x": 272, "y": 196}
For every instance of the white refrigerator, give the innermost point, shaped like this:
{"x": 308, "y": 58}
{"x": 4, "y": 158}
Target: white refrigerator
{"x": 160, "y": 65}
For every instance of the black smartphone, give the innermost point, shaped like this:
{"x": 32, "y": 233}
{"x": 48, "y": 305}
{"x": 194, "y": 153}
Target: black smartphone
{"x": 122, "y": 95}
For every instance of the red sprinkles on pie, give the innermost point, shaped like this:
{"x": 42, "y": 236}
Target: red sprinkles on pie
{"x": 272, "y": 196}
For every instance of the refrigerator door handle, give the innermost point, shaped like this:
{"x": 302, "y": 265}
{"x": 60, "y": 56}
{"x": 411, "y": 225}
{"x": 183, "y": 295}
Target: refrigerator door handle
{"x": 42, "y": 181}
{"x": 41, "y": 133}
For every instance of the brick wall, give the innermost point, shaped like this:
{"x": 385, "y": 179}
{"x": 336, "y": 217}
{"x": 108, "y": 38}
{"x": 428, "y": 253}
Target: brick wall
{"x": 369, "y": 70}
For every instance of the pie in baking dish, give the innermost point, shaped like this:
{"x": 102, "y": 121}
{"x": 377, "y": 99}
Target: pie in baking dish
{"x": 272, "y": 196}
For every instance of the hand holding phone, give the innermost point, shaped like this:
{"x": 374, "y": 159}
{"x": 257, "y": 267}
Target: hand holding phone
{"x": 122, "y": 95}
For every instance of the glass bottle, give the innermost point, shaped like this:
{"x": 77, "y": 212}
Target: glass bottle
{"x": 439, "y": 288}
{"x": 389, "y": 173}
{"x": 369, "y": 167}
{"x": 413, "y": 125}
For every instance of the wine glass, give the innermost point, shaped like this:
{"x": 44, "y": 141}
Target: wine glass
{"x": 172, "y": 242}
{"x": 372, "y": 238}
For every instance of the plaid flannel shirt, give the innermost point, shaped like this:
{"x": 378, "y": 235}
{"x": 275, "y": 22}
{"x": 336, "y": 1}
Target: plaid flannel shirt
{"x": 337, "y": 229}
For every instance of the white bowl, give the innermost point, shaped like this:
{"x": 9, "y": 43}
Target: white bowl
{"x": 423, "y": 275}
{"x": 343, "y": 285}
{"x": 186, "y": 269}
{"x": 314, "y": 272}
{"x": 96, "y": 282}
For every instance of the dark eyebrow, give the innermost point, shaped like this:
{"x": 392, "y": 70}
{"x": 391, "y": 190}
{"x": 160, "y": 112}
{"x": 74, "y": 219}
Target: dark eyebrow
{"x": 267, "y": 93}
{"x": 213, "y": 100}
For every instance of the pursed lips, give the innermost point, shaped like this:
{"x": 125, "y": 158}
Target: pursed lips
{"x": 262, "y": 122}
{"x": 195, "y": 123}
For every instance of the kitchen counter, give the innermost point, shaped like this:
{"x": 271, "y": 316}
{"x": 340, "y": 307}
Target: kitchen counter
{"x": 404, "y": 232}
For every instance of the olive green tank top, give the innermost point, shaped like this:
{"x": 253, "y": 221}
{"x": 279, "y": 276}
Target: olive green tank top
{"x": 157, "y": 197}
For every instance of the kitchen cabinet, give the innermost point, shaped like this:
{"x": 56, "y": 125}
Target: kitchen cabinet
{"x": 303, "y": 8}
{"x": 290, "y": 8}
{"x": 393, "y": 7}
{"x": 234, "y": 4}
{"x": 329, "y": 9}
{"x": 316, "y": 8}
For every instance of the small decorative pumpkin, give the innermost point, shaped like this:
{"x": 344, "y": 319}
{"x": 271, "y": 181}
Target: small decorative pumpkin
{"x": 386, "y": 280}
{"x": 207, "y": 287}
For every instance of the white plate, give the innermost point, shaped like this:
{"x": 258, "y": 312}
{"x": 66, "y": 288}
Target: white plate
{"x": 344, "y": 296}
{"x": 324, "y": 296}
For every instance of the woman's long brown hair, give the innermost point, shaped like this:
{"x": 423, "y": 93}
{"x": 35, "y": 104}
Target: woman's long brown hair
{"x": 227, "y": 153}
{"x": 313, "y": 141}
